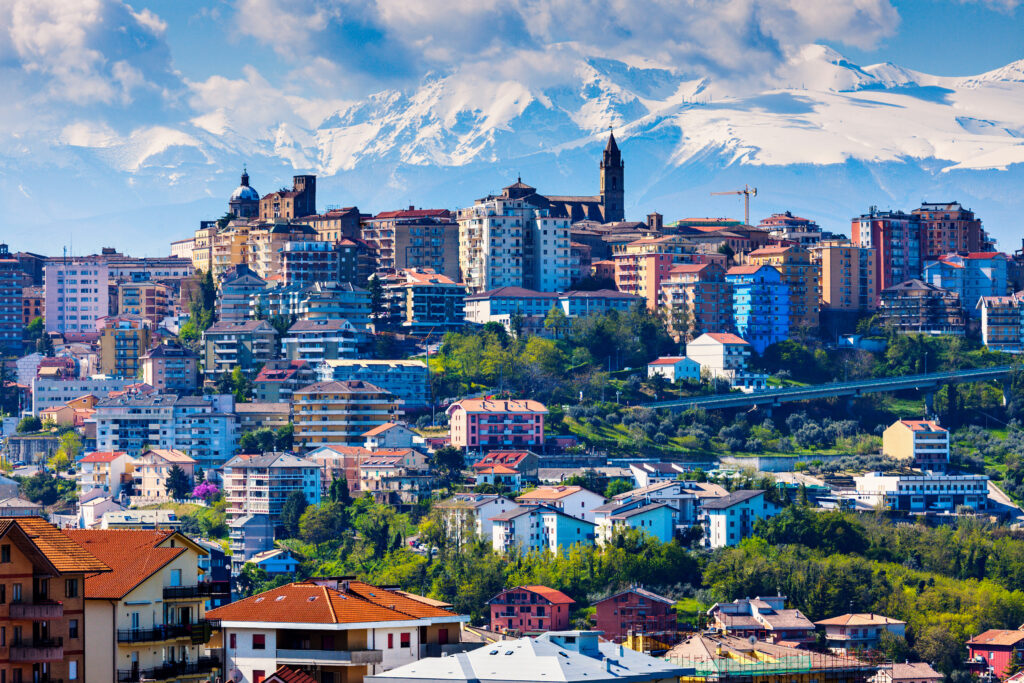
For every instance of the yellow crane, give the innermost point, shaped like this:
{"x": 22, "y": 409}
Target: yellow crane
{"x": 747, "y": 193}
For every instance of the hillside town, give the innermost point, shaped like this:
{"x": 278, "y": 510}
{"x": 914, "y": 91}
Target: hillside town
{"x": 524, "y": 439}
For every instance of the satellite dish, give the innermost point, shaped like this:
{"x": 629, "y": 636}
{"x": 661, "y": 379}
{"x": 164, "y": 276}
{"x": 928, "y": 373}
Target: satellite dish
{"x": 752, "y": 639}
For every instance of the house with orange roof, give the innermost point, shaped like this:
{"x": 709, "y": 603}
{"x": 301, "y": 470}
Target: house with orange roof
{"x": 530, "y": 610}
{"x": 723, "y": 355}
{"x": 923, "y": 444}
{"x": 107, "y": 471}
{"x": 995, "y": 652}
{"x": 674, "y": 369}
{"x": 336, "y": 629}
{"x": 574, "y": 501}
{"x": 129, "y": 640}
{"x": 849, "y": 632}
{"x": 42, "y": 575}
{"x": 523, "y": 462}
{"x": 392, "y": 435}
{"x": 396, "y": 476}
{"x": 486, "y": 424}
{"x": 153, "y": 467}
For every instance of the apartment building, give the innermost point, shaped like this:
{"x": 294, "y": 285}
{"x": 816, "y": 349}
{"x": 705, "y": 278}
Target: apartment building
{"x": 763, "y": 618}
{"x": 642, "y": 265}
{"x": 972, "y": 276}
{"x": 896, "y": 239}
{"x": 396, "y": 476}
{"x": 335, "y": 224}
{"x": 340, "y": 412}
{"x": 129, "y": 640}
{"x": 171, "y": 368}
{"x": 279, "y": 379}
{"x": 124, "y": 339}
{"x": 729, "y": 519}
{"x": 656, "y": 520}
{"x": 947, "y": 227}
{"x": 415, "y": 239}
{"x": 153, "y": 468}
{"x": 848, "y": 633}
{"x": 530, "y": 307}
{"x": 76, "y": 297}
{"x": 800, "y": 274}
{"x": 530, "y": 609}
{"x": 539, "y": 527}
{"x": 42, "y": 617}
{"x": 485, "y": 424}
{"x": 148, "y": 300}
{"x": 931, "y": 491}
{"x": 306, "y": 262}
{"x": 33, "y": 304}
{"x": 260, "y": 484}
{"x": 920, "y": 308}
{"x": 634, "y": 610}
{"x": 315, "y": 341}
{"x": 471, "y": 513}
{"x": 55, "y": 392}
{"x": 12, "y": 281}
{"x": 106, "y": 471}
{"x": 338, "y": 629}
{"x": 245, "y": 344}
{"x": 848, "y": 275}
{"x": 760, "y": 305}
{"x": 422, "y": 300}
{"x": 229, "y": 248}
{"x": 921, "y": 443}
{"x": 574, "y": 501}
{"x": 293, "y": 203}
{"x": 790, "y": 229}
{"x": 407, "y": 380}
{"x": 697, "y": 299}
{"x": 237, "y": 287}
{"x": 267, "y": 241}
{"x": 319, "y": 300}
{"x": 507, "y": 242}
{"x": 1001, "y": 323}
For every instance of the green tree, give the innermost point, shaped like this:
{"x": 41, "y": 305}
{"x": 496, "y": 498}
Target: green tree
{"x": 44, "y": 345}
{"x": 291, "y": 512}
{"x": 178, "y": 483}
{"x": 59, "y": 462}
{"x": 285, "y": 437}
{"x": 338, "y": 491}
{"x": 41, "y": 488}
{"x": 447, "y": 464}
{"x": 250, "y": 579}
{"x": 379, "y": 530}
{"x": 617, "y": 486}
{"x": 241, "y": 387}
{"x": 29, "y": 424}
{"x": 556, "y": 321}
{"x": 376, "y": 289}
{"x": 200, "y": 474}
{"x": 35, "y": 329}
{"x": 322, "y": 523}
{"x": 70, "y": 446}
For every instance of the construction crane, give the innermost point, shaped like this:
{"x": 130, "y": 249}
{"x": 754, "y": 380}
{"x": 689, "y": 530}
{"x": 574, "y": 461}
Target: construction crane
{"x": 747, "y": 193}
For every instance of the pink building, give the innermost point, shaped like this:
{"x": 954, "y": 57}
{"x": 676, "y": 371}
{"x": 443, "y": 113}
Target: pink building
{"x": 496, "y": 423}
{"x": 77, "y": 294}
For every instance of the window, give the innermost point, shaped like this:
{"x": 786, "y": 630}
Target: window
{"x": 259, "y": 642}
{"x": 73, "y": 670}
{"x": 232, "y": 641}
{"x": 175, "y": 577}
{"x": 3, "y": 593}
{"x": 258, "y": 676}
{"x": 16, "y": 592}
{"x": 5, "y": 552}
{"x": 404, "y": 640}
{"x": 71, "y": 588}
{"x": 391, "y": 641}
{"x": 73, "y": 628}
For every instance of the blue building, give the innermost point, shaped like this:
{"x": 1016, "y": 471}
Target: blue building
{"x": 972, "y": 276}
{"x": 760, "y": 305}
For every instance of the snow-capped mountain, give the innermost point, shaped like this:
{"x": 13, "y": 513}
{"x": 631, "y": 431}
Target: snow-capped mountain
{"x": 821, "y": 136}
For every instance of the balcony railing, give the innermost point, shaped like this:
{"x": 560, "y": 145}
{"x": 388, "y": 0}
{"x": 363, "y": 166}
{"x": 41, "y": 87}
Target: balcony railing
{"x": 168, "y": 670}
{"x": 201, "y": 590}
{"x": 38, "y": 650}
{"x": 38, "y": 611}
{"x": 354, "y": 657}
{"x": 199, "y": 632}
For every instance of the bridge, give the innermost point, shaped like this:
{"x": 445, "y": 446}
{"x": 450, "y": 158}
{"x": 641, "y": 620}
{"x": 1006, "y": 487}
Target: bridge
{"x": 928, "y": 383}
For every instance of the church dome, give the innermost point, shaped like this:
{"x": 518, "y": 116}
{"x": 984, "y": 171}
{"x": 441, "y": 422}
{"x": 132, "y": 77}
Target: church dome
{"x": 245, "y": 193}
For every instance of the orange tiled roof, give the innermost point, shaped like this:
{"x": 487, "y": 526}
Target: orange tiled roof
{"x": 486, "y": 405}
{"x": 286, "y": 674}
{"x": 727, "y": 338}
{"x": 553, "y": 596}
{"x": 132, "y": 554}
{"x": 380, "y": 429}
{"x": 102, "y": 456}
{"x": 390, "y": 598}
{"x": 62, "y": 552}
{"x": 550, "y": 492}
{"x": 996, "y": 636}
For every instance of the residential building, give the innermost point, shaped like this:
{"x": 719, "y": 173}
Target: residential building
{"x": 848, "y": 275}
{"x": 539, "y": 527}
{"x": 760, "y": 305}
{"x": 19, "y": 507}
{"x": 392, "y": 435}
{"x": 237, "y": 287}
{"x": 339, "y": 462}
{"x": 339, "y": 413}
{"x": 730, "y": 519}
{"x": 697, "y": 299}
{"x": 568, "y": 656}
{"x": 574, "y": 501}
{"x": 71, "y": 414}
{"x": 947, "y": 227}
{"x": 336, "y": 224}
{"x": 422, "y": 300}
{"x": 171, "y": 368}
{"x": 677, "y": 494}
{"x": 315, "y": 341}
{"x": 76, "y": 297}
{"x": 921, "y": 443}
{"x": 214, "y": 574}
{"x": 656, "y": 520}
{"x": 471, "y": 513}
{"x": 408, "y": 380}
{"x": 523, "y": 463}
{"x": 147, "y": 300}
{"x": 722, "y": 355}
{"x": 789, "y": 229}
{"x": 763, "y": 618}
{"x": 499, "y": 305}
{"x": 850, "y": 632}
{"x": 279, "y": 379}
{"x": 276, "y": 562}
{"x": 908, "y": 672}
{"x": 933, "y": 492}
{"x": 249, "y": 535}
{"x": 253, "y": 415}
{"x": 319, "y": 300}
{"x": 415, "y": 239}
{"x": 972, "y": 276}
{"x": 675, "y": 369}
{"x": 996, "y": 652}
{"x": 800, "y": 274}
{"x": 1001, "y": 323}
{"x": 581, "y": 304}
{"x": 12, "y": 282}
{"x": 306, "y": 262}
{"x": 229, "y": 249}
{"x": 294, "y": 203}
{"x": 123, "y": 341}
{"x": 246, "y": 344}
{"x": 43, "y": 577}
{"x": 268, "y": 241}
{"x": 396, "y": 477}
{"x": 339, "y": 630}
{"x": 130, "y": 641}
{"x": 530, "y": 609}
{"x": 916, "y": 307}
{"x": 106, "y": 471}
{"x": 139, "y": 519}
{"x": 649, "y": 473}
{"x": 33, "y": 304}
{"x": 154, "y": 466}
{"x": 896, "y": 239}
{"x": 485, "y": 424}
{"x": 634, "y": 610}
{"x": 56, "y": 392}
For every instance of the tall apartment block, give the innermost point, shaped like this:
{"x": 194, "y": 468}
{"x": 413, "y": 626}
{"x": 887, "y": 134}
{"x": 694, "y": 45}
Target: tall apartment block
{"x": 77, "y": 294}
{"x": 848, "y": 277}
{"x": 801, "y": 274}
{"x": 760, "y": 305}
{"x": 415, "y": 238}
{"x": 896, "y": 239}
{"x": 947, "y": 227}
{"x": 11, "y": 283}
{"x": 697, "y": 299}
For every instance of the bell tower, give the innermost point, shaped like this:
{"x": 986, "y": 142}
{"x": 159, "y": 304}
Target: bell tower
{"x": 613, "y": 192}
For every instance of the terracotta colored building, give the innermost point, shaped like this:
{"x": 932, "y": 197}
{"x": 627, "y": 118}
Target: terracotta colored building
{"x": 42, "y": 602}
{"x": 637, "y": 610}
{"x": 530, "y": 609}
{"x": 896, "y": 240}
{"x": 948, "y": 227}
{"x": 487, "y": 423}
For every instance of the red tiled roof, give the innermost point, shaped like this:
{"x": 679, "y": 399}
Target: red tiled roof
{"x": 484, "y": 405}
{"x": 62, "y": 552}
{"x": 380, "y": 429}
{"x": 997, "y": 636}
{"x": 727, "y": 338}
{"x": 550, "y": 493}
{"x": 553, "y": 596}
{"x": 667, "y": 360}
{"x": 413, "y": 213}
{"x": 923, "y": 425}
{"x": 134, "y": 555}
{"x": 286, "y": 674}
{"x": 744, "y": 270}
{"x": 102, "y": 456}
{"x": 509, "y": 458}
{"x": 494, "y": 469}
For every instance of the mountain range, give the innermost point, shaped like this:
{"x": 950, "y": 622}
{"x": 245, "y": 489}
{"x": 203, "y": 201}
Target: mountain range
{"x": 821, "y": 136}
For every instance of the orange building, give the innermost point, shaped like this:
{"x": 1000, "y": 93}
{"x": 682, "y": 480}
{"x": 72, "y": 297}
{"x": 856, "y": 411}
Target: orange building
{"x": 848, "y": 276}
{"x": 42, "y": 602}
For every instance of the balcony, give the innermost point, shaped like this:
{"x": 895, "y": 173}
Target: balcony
{"x": 437, "y": 650}
{"x": 40, "y": 610}
{"x": 330, "y": 657}
{"x": 38, "y": 650}
{"x": 195, "y": 592}
{"x": 168, "y": 670}
{"x": 199, "y": 632}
